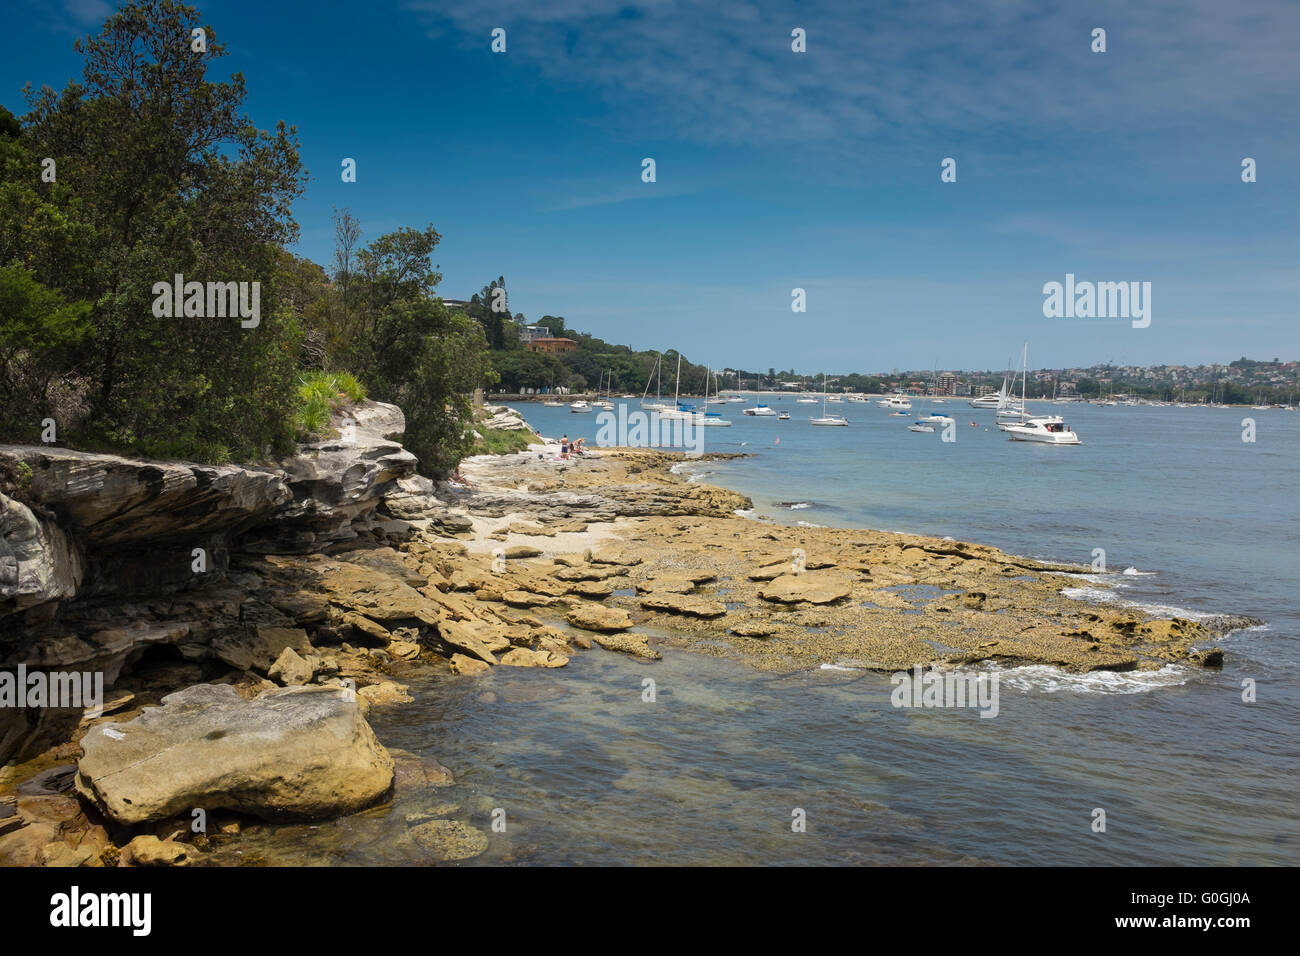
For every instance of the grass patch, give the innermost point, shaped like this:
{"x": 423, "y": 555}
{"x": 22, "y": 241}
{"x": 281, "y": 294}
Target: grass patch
{"x": 500, "y": 441}
{"x": 319, "y": 395}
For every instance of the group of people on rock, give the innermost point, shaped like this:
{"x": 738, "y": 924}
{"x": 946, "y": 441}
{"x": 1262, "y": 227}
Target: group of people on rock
{"x": 568, "y": 449}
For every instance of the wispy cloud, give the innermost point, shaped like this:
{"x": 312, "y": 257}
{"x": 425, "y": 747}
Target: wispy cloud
{"x": 900, "y": 71}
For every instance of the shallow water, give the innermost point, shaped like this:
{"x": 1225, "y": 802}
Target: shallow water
{"x": 711, "y": 771}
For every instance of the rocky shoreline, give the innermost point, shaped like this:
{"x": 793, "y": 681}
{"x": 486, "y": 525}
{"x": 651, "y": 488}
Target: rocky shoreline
{"x": 245, "y": 620}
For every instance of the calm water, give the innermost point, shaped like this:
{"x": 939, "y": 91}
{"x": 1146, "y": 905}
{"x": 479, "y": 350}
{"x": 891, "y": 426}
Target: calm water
{"x": 711, "y": 771}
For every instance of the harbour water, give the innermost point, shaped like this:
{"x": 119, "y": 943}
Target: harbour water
{"x": 716, "y": 768}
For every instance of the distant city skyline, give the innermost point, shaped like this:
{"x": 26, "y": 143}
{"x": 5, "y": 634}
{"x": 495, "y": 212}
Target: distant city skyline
{"x": 778, "y": 170}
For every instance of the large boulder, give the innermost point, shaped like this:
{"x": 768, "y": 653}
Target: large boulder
{"x": 290, "y": 753}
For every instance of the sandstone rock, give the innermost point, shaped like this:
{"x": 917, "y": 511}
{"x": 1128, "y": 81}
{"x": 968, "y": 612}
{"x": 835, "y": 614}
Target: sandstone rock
{"x": 296, "y": 752}
{"x": 754, "y": 629}
{"x": 337, "y": 483}
{"x": 628, "y": 644}
{"x": 290, "y": 669}
{"x": 523, "y": 551}
{"x": 468, "y": 637}
{"x": 683, "y": 604}
{"x": 110, "y": 500}
{"x": 39, "y": 562}
{"x": 523, "y": 657}
{"x": 595, "y": 617}
{"x": 59, "y": 853}
{"x": 460, "y": 664}
{"x": 450, "y": 840}
{"x": 260, "y": 648}
{"x": 148, "y": 850}
{"x": 594, "y": 590}
{"x": 812, "y": 587}
{"x": 24, "y": 847}
{"x": 386, "y": 692}
{"x": 526, "y": 599}
{"x": 403, "y": 651}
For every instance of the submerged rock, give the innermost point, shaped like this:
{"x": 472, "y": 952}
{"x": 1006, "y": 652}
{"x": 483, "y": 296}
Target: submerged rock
{"x": 628, "y": 644}
{"x": 450, "y": 840}
{"x": 296, "y": 752}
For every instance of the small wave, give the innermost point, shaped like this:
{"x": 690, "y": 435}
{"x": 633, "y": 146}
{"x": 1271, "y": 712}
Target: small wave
{"x": 808, "y": 524}
{"x": 1145, "y": 574}
{"x": 839, "y": 667}
{"x": 794, "y": 505}
{"x": 1050, "y": 680}
{"x": 745, "y": 512}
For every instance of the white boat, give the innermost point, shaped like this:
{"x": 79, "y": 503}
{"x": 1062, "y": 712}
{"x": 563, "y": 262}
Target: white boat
{"x": 827, "y": 419}
{"x": 918, "y": 427}
{"x": 984, "y": 401}
{"x": 553, "y": 404}
{"x": 579, "y": 407}
{"x": 806, "y": 400}
{"x": 1050, "y": 430}
{"x": 933, "y": 419}
{"x": 897, "y": 402}
{"x": 677, "y": 411}
{"x": 708, "y": 418}
{"x": 604, "y": 403}
{"x": 761, "y": 411}
{"x": 783, "y": 417}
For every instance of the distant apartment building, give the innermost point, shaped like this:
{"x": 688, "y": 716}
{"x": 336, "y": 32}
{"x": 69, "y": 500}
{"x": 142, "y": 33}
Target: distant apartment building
{"x": 946, "y": 384}
{"x": 552, "y": 346}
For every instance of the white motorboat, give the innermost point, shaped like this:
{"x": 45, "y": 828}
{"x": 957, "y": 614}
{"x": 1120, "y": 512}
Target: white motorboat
{"x": 899, "y": 402}
{"x": 553, "y": 404}
{"x": 918, "y": 427}
{"x": 984, "y": 401}
{"x": 783, "y": 417}
{"x": 1050, "y": 430}
{"x": 806, "y": 400}
{"x": 761, "y": 411}
{"x": 579, "y": 406}
{"x": 933, "y": 419}
{"x": 1047, "y": 429}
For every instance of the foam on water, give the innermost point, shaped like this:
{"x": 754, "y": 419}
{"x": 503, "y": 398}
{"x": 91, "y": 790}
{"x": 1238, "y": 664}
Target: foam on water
{"x": 1049, "y": 680}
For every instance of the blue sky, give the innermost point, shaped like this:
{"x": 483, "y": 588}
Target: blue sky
{"x": 817, "y": 170}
